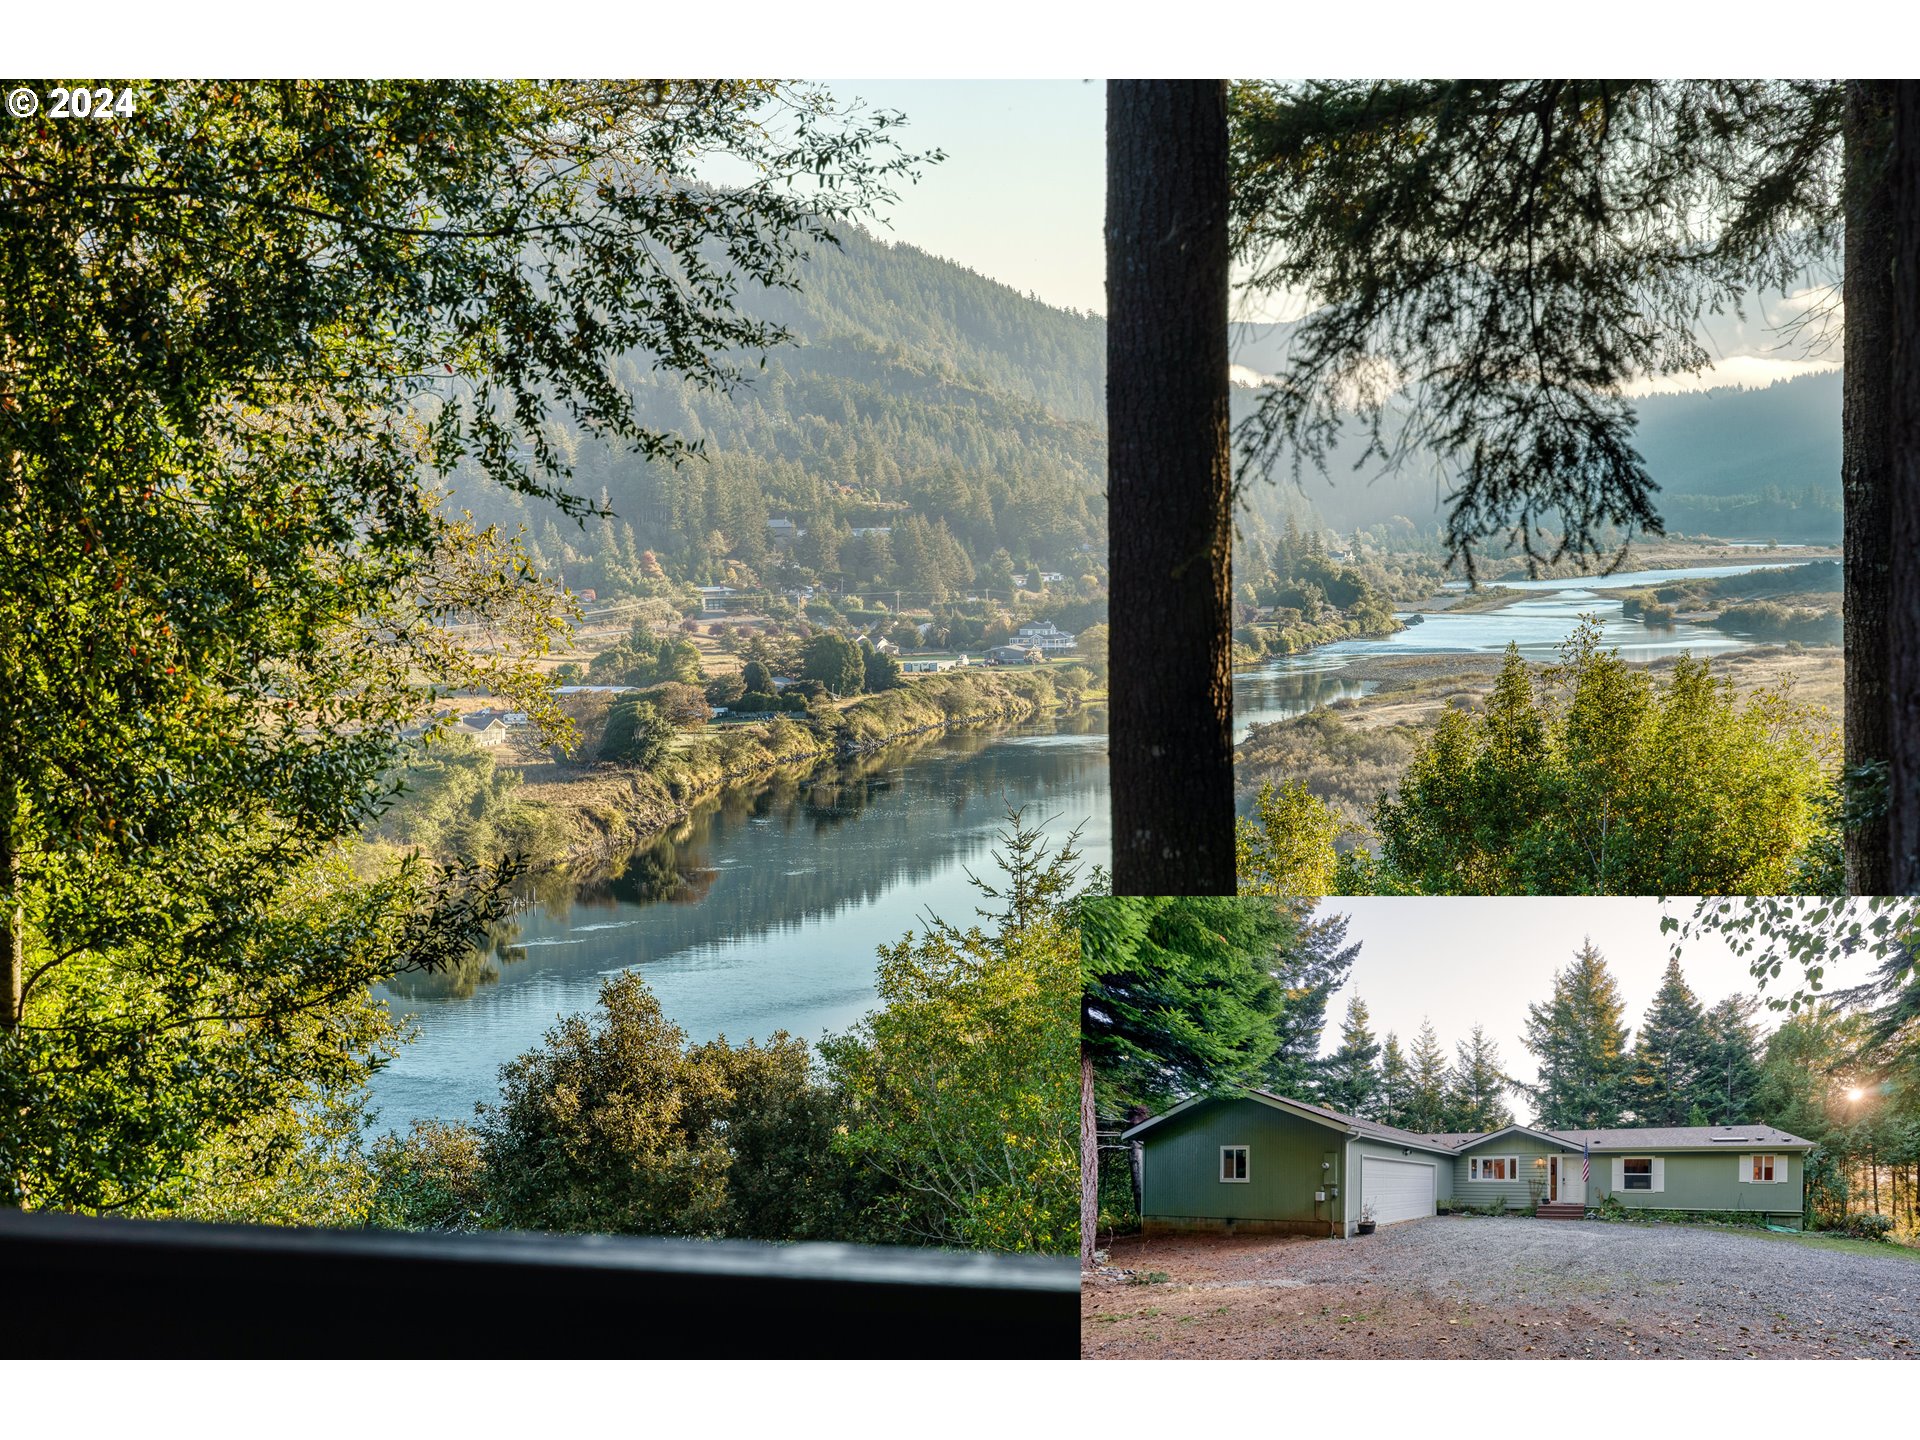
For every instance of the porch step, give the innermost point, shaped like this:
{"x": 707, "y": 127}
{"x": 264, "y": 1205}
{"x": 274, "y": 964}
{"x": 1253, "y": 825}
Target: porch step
{"x": 1561, "y": 1211}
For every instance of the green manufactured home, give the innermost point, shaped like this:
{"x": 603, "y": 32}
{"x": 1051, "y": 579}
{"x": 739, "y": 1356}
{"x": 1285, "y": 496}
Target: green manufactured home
{"x": 1261, "y": 1162}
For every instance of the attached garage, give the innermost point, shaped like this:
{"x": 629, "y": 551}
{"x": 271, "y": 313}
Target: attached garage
{"x": 1262, "y": 1162}
{"x": 1396, "y": 1190}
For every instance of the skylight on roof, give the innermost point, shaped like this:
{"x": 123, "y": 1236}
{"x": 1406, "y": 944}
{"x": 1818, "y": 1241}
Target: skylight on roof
{"x": 1737, "y": 1139}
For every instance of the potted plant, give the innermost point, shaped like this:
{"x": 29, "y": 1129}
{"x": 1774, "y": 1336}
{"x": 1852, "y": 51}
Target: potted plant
{"x": 1365, "y": 1227}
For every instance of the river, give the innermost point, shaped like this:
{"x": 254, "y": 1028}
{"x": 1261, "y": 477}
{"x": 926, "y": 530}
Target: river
{"x": 1291, "y": 685}
{"x": 761, "y": 912}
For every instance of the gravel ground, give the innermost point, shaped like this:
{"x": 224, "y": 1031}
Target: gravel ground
{"x": 1454, "y": 1287}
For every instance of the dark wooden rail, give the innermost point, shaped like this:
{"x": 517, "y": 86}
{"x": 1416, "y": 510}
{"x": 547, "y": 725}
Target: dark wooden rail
{"x": 84, "y": 1287}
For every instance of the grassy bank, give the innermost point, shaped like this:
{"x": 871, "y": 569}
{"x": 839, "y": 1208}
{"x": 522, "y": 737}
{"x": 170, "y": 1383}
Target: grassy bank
{"x": 1254, "y": 643}
{"x": 465, "y": 803}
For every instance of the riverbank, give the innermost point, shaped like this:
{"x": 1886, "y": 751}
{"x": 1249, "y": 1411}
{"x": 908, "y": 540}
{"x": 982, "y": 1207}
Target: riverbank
{"x": 1352, "y": 750}
{"x": 592, "y": 810}
{"x": 1253, "y": 644}
{"x": 1664, "y": 553}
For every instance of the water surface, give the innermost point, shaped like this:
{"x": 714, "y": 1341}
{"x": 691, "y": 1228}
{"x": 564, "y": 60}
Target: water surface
{"x": 1291, "y": 685}
{"x": 761, "y": 912}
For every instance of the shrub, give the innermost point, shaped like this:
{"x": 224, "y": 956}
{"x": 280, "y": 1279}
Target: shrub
{"x": 433, "y": 1178}
{"x": 1864, "y": 1227}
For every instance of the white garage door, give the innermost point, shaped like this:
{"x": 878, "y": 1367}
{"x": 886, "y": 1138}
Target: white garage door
{"x": 1396, "y": 1189}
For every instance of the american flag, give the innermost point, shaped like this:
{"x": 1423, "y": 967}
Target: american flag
{"x": 1586, "y": 1162}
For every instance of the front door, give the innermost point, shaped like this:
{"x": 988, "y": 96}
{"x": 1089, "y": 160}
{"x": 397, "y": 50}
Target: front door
{"x": 1564, "y": 1172}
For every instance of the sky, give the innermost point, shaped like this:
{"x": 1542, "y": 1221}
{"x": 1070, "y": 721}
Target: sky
{"x": 1021, "y": 198}
{"x": 1464, "y": 960}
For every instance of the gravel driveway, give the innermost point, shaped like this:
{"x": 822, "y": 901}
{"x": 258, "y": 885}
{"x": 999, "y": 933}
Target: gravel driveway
{"x": 1501, "y": 1287}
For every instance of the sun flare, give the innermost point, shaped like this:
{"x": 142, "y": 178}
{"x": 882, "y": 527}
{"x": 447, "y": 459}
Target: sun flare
{"x": 1854, "y": 1092}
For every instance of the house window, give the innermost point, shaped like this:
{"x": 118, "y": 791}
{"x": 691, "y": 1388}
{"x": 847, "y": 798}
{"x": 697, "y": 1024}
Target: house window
{"x": 1636, "y": 1173}
{"x": 1233, "y": 1164}
{"x": 1762, "y": 1171}
{"x": 1493, "y": 1167}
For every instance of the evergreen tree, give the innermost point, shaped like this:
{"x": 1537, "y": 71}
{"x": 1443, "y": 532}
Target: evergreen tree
{"x": 1396, "y": 1083}
{"x": 1350, "y": 1077}
{"x": 1427, "y": 1088}
{"x": 1177, "y": 998}
{"x": 1580, "y": 1044}
{"x": 1730, "y": 1066}
{"x": 1312, "y": 966}
{"x": 882, "y": 671}
{"x": 1476, "y": 1087}
{"x": 1669, "y": 1055}
{"x": 637, "y": 734}
{"x": 835, "y": 662}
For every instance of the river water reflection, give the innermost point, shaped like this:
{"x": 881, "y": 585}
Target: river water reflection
{"x": 760, "y": 913}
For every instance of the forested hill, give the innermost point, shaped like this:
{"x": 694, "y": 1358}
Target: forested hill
{"x": 890, "y": 297}
{"x": 1740, "y": 464}
{"x": 943, "y": 414}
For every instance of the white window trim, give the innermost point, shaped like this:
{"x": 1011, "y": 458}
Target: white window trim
{"x": 1653, "y": 1186}
{"x": 1780, "y": 1168}
{"x": 1222, "y": 1171}
{"x": 1475, "y": 1177}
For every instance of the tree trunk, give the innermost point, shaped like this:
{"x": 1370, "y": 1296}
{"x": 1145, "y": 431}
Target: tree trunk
{"x": 1137, "y": 1159}
{"x": 1169, "y": 488}
{"x": 13, "y": 925}
{"x": 1864, "y": 469}
{"x": 1089, "y": 1160}
{"x": 1903, "y": 616}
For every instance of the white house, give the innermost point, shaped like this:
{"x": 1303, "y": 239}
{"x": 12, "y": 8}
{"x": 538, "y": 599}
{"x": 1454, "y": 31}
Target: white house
{"x": 484, "y": 729}
{"x": 1043, "y": 635}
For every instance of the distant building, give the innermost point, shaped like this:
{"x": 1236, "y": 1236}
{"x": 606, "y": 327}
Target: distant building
{"x": 1015, "y": 655}
{"x": 872, "y": 530}
{"x": 932, "y": 664}
{"x": 588, "y": 595}
{"x": 483, "y": 728}
{"x": 783, "y": 530}
{"x": 1052, "y": 577}
{"x": 712, "y": 596}
{"x": 885, "y": 646}
{"x": 1043, "y": 635}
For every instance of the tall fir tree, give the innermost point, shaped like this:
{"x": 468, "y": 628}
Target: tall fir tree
{"x": 1396, "y": 1083}
{"x": 1427, "y": 1089}
{"x": 1477, "y": 1088}
{"x": 1350, "y": 1077}
{"x": 1581, "y": 1046}
{"x": 1177, "y": 998}
{"x": 1730, "y": 1068}
{"x": 1311, "y": 968}
{"x": 1669, "y": 1057}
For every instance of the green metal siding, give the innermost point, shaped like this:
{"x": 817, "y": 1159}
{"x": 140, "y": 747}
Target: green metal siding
{"x": 1443, "y": 1177}
{"x": 1698, "y": 1180}
{"x": 1523, "y": 1193}
{"x": 1180, "y": 1177}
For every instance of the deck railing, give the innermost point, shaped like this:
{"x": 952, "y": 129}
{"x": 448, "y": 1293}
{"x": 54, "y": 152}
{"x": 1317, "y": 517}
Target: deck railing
{"x": 99, "y": 1287}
